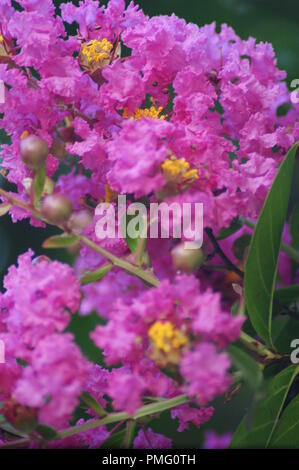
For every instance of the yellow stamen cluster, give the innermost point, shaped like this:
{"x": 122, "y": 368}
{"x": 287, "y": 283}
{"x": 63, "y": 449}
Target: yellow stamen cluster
{"x": 97, "y": 50}
{"x": 153, "y": 112}
{"x": 178, "y": 170}
{"x": 167, "y": 342}
{"x": 1, "y": 38}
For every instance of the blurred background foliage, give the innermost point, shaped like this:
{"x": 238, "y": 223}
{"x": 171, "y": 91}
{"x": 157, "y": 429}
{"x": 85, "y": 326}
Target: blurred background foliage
{"x": 272, "y": 21}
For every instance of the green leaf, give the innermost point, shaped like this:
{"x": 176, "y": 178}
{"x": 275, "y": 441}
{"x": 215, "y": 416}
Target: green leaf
{"x": 256, "y": 431}
{"x": 96, "y": 275}
{"x": 240, "y": 246}
{"x": 39, "y": 184}
{"x": 46, "y": 432}
{"x": 133, "y": 243}
{"x": 285, "y": 329}
{"x": 286, "y": 433}
{"x": 247, "y": 365}
{"x": 4, "y": 208}
{"x": 115, "y": 440}
{"x": 11, "y": 430}
{"x": 294, "y": 227}
{"x": 60, "y": 241}
{"x": 227, "y": 232}
{"x": 93, "y": 404}
{"x": 287, "y": 295}
{"x": 261, "y": 265}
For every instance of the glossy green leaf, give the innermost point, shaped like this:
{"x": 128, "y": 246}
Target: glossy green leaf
{"x": 285, "y": 329}
{"x": 97, "y": 275}
{"x": 256, "y": 431}
{"x": 287, "y": 295}
{"x": 261, "y": 265}
{"x": 287, "y": 431}
{"x": 294, "y": 227}
{"x": 60, "y": 241}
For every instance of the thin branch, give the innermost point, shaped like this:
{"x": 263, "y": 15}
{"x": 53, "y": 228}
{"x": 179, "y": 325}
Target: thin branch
{"x": 222, "y": 255}
{"x": 146, "y": 276}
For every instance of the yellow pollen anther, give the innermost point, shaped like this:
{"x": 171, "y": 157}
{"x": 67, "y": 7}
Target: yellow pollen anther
{"x": 68, "y": 121}
{"x": 178, "y": 170}
{"x": 97, "y": 50}
{"x": 110, "y": 195}
{"x": 153, "y": 112}
{"x": 24, "y": 135}
{"x": 1, "y": 38}
{"x": 168, "y": 340}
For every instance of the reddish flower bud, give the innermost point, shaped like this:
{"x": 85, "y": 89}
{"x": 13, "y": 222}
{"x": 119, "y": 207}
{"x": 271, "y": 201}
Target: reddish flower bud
{"x": 57, "y": 208}
{"x": 58, "y": 149}
{"x": 34, "y": 152}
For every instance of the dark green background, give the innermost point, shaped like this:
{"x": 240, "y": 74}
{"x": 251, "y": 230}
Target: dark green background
{"x": 274, "y": 21}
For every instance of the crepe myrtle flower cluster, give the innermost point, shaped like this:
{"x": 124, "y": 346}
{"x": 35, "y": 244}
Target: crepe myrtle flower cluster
{"x": 101, "y": 101}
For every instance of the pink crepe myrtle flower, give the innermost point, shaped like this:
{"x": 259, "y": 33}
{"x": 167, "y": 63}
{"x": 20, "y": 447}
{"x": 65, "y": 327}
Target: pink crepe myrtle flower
{"x": 148, "y": 439}
{"x": 216, "y": 441}
{"x": 53, "y": 380}
{"x": 187, "y": 414}
{"x": 169, "y": 325}
{"x": 39, "y": 297}
{"x": 189, "y": 115}
{"x": 206, "y": 372}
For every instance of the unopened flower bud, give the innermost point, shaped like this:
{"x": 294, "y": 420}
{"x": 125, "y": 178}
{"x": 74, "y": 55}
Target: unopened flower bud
{"x": 67, "y": 133}
{"x": 57, "y": 208}
{"x": 187, "y": 260}
{"x": 58, "y": 149}
{"x": 34, "y": 152}
{"x": 80, "y": 220}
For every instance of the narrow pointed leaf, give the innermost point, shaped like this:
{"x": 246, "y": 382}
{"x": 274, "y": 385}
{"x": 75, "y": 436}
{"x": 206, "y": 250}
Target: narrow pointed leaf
{"x": 256, "y": 431}
{"x": 46, "y": 432}
{"x": 96, "y": 275}
{"x": 287, "y": 431}
{"x": 60, "y": 241}
{"x": 261, "y": 265}
{"x": 93, "y": 404}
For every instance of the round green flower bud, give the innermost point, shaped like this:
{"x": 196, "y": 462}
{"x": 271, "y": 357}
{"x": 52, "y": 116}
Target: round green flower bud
{"x": 34, "y": 152}
{"x": 187, "y": 260}
{"x": 57, "y": 208}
